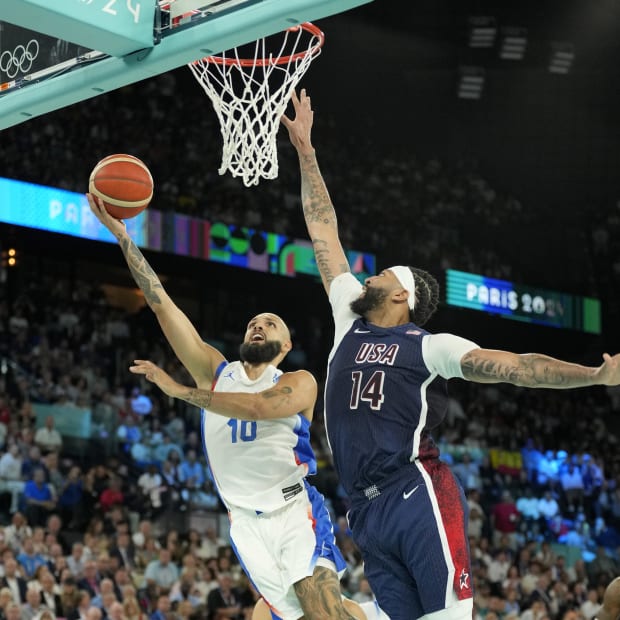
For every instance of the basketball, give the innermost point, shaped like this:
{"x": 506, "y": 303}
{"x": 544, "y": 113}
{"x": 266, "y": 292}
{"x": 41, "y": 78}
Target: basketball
{"x": 124, "y": 183}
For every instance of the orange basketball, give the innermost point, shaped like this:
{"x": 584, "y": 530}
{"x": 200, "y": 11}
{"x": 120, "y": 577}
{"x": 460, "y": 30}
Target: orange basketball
{"x": 124, "y": 183}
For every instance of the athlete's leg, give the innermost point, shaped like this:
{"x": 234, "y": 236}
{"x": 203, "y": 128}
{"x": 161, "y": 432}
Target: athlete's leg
{"x": 379, "y": 528}
{"x": 448, "y": 545}
{"x": 292, "y": 558}
{"x": 365, "y": 611}
{"x": 320, "y": 597}
{"x": 393, "y": 585}
{"x": 355, "y": 609}
{"x": 413, "y": 540}
{"x": 261, "y": 611}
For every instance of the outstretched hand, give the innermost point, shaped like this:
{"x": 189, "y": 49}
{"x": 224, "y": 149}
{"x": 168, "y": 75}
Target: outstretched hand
{"x": 116, "y": 227}
{"x": 300, "y": 128}
{"x": 156, "y": 375}
{"x": 609, "y": 370}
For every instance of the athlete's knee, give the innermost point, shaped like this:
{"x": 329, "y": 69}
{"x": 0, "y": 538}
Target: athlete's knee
{"x": 354, "y": 609}
{"x": 320, "y": 597}
{"x": 261, "y": 611}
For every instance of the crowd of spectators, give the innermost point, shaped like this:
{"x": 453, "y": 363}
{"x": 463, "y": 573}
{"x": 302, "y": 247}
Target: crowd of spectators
{"x": 541, "y": 472}
{"x": 445, "y": 203}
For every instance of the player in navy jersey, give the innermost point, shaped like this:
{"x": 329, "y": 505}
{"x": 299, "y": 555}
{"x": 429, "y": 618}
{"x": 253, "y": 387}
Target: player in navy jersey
{"x": 255, "y": 428}
{"x": 385, "y": 391}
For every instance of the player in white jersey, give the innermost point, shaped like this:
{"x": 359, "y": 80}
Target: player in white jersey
{"x": 256, "y": 432}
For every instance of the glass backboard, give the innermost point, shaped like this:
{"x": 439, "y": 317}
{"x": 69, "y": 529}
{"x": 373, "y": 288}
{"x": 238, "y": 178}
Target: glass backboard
{"x": 83, "y": 48}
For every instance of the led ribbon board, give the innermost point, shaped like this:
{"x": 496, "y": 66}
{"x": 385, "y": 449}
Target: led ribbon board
{"x": 523, "y": 303}
{"x": 60, "y": 211}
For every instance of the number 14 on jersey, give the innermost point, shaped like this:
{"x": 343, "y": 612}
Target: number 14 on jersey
{"x": 370, "y": 391}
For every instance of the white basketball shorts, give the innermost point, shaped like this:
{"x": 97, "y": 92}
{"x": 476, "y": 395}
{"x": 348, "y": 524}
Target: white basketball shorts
{"x": 280, "y": 548}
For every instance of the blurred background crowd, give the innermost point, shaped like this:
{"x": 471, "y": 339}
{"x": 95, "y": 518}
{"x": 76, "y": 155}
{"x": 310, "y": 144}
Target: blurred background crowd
{"x": 126, "y": 518}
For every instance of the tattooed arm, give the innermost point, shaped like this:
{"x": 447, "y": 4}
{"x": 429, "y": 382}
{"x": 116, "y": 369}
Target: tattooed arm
{"x": 536, "y": 370}
{"x": 317, "y": 206}
{"x": 295, "y": 392}
{"x": 200, "y": 359}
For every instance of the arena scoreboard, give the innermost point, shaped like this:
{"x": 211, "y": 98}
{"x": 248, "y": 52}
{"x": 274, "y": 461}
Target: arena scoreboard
{"x": 520, "y": 302}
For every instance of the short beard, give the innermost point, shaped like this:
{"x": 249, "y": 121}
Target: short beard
{"x": 372, "y": 300}
{"x": 260, "y": 353}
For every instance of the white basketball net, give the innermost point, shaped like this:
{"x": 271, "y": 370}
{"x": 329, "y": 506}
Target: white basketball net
{"x": 251, "y": 94}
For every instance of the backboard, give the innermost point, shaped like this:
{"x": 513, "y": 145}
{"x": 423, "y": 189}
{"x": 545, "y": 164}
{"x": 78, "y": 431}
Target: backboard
{"x": 87, "y": 47}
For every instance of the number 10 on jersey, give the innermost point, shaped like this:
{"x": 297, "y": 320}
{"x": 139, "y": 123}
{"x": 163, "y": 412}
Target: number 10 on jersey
{"x": 242, "y": 430}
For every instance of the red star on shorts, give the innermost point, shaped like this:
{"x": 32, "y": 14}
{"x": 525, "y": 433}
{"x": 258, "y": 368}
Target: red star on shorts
{"x": 463, "y": 579}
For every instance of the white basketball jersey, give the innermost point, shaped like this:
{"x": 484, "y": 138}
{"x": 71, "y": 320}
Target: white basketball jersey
{"x": 257, "y": 464}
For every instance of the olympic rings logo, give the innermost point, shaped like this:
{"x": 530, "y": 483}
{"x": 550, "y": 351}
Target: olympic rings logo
{"x": 20, "y": 59}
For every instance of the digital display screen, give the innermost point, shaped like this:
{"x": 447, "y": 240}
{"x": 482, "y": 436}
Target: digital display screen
{"x": 523, "y": 303}
{"x": 55, "y": 210}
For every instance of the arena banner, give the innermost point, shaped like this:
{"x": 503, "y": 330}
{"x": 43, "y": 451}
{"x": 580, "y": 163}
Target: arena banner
{"x": 69, "y": 420}
{"x": 521, "y": 302}
{"x": 60, "y": 211}
{"x": 506, "y": 461}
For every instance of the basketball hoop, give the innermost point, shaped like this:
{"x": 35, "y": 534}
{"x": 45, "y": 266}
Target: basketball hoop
{"x": 250, "y": 93}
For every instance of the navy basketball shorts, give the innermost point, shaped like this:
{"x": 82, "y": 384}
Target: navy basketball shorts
{"x": 413, "y": 536}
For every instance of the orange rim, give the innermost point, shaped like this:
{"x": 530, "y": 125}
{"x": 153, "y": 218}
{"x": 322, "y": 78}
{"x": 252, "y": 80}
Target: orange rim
{"x": 281, "y": 60}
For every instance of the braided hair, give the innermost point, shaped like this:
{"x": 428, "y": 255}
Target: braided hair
{"x": 427, "y": 296}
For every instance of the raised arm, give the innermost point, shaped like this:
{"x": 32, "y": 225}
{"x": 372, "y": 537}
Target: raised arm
{"x": 200, "y": 359}
{"x": 318, "y": 208}
{"x": 537, "y": 371}
{"x": 295, "y": 392}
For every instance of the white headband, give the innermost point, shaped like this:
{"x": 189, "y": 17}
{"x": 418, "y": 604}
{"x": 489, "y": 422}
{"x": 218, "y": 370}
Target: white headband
{"x": 405, "y": 277}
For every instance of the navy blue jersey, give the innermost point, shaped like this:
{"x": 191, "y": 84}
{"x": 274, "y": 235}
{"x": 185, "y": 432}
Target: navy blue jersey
{"x": 380, "y": 402}
{"x": 385, "y": 391}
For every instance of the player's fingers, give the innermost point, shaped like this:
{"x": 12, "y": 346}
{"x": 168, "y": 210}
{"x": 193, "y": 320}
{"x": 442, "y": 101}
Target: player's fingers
{"x": 91, "y": 202}
{"x": 285, "y": 120}
{"x": 99, "y": 205}
{"x": 294, "y": 97}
